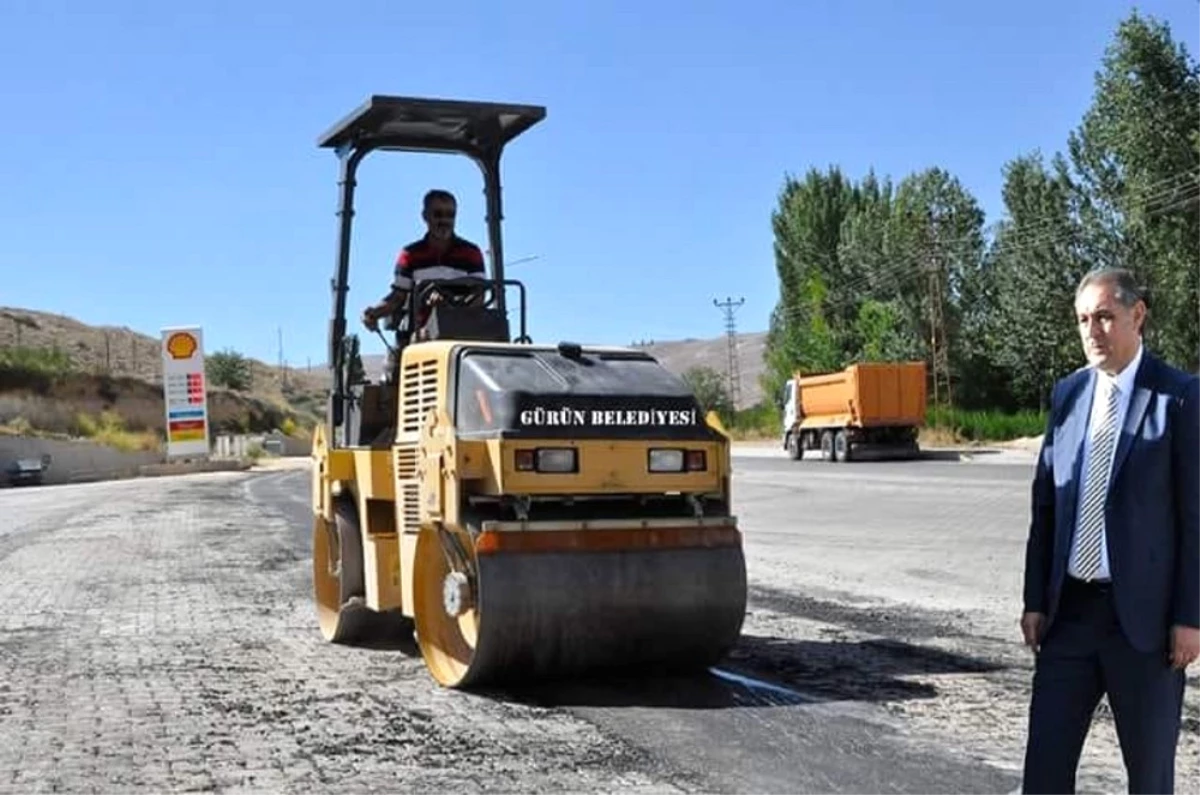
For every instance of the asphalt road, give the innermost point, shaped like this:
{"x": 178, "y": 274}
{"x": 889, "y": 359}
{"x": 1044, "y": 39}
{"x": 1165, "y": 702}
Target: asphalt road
{"x": 159, "y": 634}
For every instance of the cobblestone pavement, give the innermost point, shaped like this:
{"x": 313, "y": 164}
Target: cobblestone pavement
{"x": 159, "y": 635}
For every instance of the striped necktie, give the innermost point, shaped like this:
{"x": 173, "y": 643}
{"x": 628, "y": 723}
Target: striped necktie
{"x": 1095, "y": 489}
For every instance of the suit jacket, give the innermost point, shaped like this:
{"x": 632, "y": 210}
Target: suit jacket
{"x": 1152, "y": 513}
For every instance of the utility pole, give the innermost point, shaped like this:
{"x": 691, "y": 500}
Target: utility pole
{"x": 282, "y": 368}
{"x": 729, "y": 307}
{"x": 939, "y": 353}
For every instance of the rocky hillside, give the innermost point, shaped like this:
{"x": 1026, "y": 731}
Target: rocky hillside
{"x": 106, "y": 372}
{"x": 121, "y": 352}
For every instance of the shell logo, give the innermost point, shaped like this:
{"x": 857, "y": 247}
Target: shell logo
{"x": 181, "y": 345}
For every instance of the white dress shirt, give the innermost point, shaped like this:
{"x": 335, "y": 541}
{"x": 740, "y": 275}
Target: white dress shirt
{"x": 1123, "y": 383}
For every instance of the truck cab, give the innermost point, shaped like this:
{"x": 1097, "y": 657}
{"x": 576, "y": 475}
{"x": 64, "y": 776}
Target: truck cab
{"x": 790, "y": 411}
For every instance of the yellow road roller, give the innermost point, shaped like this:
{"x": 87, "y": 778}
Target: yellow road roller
{"x": 528, "y": 511}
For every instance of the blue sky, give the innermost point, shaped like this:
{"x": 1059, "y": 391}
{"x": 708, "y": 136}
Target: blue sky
{"x": 171, "y": 146}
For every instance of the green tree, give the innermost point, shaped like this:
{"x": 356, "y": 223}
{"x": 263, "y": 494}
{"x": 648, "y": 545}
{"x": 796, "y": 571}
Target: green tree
{"x": 865, "y": 270}
{"x": 871, "y": 271}
{"x": 230, "y": 369}
{"x": 934, "y": 245}
{"x": 1035, "y": 261}
{"x": 712, "y": 391}
{"x": 1136, "y": 159}
{"x": 883, "y": 332}
{"x": 807, "y": 325}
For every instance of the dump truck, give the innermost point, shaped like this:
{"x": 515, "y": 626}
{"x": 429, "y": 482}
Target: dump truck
{"x": 527, "y": 510}
{"x": 868, "y": 409}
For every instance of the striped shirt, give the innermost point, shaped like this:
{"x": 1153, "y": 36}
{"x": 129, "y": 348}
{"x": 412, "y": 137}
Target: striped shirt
{"x": 419, "y": 261}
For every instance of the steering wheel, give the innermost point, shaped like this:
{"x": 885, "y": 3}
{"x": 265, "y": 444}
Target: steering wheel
{"x": 470, "y": 289}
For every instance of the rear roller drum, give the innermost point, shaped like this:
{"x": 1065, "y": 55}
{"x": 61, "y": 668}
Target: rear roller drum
{"x": 338, "y": 585}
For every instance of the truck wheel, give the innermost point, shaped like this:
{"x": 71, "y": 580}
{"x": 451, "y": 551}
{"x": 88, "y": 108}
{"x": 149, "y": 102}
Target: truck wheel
{"x": 795, "y": 452}
{"x": 827, "y": 446}
{"x": 841, "y": 447}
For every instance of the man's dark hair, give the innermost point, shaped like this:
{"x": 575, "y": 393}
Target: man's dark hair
{"x": 1124, "y": 284}
{"x": 435, "y": 194}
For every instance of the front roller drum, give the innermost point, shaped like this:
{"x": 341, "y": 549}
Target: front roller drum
{"x": 540, "y": 604}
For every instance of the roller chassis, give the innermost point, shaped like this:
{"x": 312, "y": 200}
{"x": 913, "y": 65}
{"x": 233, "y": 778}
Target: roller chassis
{"x": 433, "y": 514}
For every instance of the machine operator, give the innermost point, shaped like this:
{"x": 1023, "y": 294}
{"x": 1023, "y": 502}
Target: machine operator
{"x": 440, "y": 254}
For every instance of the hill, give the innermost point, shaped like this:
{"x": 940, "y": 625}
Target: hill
{"x": 679, "y": 356}
{"x": 121, "y": 352}
{"x": 116, "y": 371}
{"x": 113, "y": 374}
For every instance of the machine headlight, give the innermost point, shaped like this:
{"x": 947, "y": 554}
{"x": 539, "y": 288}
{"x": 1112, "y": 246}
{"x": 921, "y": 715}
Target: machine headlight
{"x": 556, "y": 459}
{"x": 666, "y": 460}
{"x": 548, "y": 459}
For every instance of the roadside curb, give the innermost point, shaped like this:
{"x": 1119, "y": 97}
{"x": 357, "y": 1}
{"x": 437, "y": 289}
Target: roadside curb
{"x": 191, "y": 467}
{"x": 965, "y": 455}
{"x": 283, "y": 464}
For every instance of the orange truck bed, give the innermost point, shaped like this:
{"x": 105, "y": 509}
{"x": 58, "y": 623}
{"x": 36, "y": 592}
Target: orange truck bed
{"x": 867, "y": 409}
{"x": 864, "y": 395}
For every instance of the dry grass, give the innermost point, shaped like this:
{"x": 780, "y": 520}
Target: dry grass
{"x": 938, "y": 437}
{"x": 29, "y": 415}
{"x": 56, "y": 403}
{"x": 124, "y": 413}
{"x": 109, "y": 429}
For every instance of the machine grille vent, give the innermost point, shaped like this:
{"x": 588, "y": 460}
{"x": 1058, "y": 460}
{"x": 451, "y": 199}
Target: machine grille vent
{"x": 406, "y": 461}
{"x": 418, "y": 393}
{"x": 410, "y": 509}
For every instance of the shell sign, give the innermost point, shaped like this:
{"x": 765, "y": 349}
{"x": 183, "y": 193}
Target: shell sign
{"x": 184, "y": 394}
{"x": 181, "y": 345}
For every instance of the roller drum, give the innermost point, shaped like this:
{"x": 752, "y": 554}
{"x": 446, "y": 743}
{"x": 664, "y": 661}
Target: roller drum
{"x": 546, "y": 613}
{"x": 338, "y": 587}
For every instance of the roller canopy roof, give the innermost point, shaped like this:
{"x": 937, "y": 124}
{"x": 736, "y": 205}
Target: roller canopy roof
{"x": 432, "y": 125}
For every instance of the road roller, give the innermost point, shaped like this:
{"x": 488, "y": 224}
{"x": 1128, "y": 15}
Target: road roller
{"x": 527, "y": 511}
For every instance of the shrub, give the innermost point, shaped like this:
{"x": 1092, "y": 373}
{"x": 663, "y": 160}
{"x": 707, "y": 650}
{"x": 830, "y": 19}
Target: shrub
{"x": 109, "y": 430}
{"x": 45, "y": 361}
{"x": 987, "y": 426}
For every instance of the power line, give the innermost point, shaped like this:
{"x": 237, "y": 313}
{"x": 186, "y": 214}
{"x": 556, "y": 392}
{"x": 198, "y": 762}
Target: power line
{"x": 729, "y": 307}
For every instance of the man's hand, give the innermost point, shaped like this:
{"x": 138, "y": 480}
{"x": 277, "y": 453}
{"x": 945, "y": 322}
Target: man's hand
{"x": 370, "y": 318}
{"x": 1031, "y": 628}
{"x": 1185, "y": 646}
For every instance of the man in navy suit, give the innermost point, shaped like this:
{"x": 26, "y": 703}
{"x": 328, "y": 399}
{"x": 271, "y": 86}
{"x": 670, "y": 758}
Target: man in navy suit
{"x": 1112, "y": 564}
